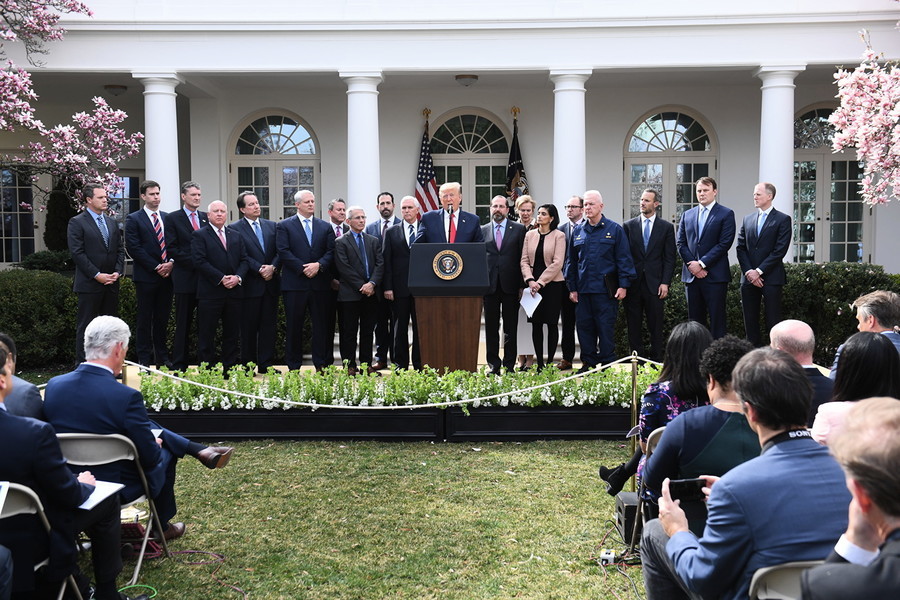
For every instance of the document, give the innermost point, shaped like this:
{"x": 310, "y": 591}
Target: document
{"x": 102, "y": 491}
{"x": 529, "y": 302}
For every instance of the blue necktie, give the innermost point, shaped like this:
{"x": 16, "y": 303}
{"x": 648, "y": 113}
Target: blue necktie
{"x": 701, "y": 221}
{"x": 412, "y": 234}
{"x": 258, "y": 232}
{"x": 759, "y": 223}
{"x": 646, "y": 232}
{"x": 103, "y": 230}
{"x": 308, "y": 231}
{"x": 362, "y": 252}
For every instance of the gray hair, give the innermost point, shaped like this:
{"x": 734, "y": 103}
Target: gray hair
{"x": 102, "y": 335}
{"x": 299, "y": 195}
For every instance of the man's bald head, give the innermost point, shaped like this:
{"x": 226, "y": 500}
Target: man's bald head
{"x": 796, "y": 338}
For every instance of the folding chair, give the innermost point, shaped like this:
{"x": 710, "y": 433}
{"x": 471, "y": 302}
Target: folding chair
{"x": 780, "y": 582}
{"x": 652, "y": 442}
{"x": 91, "y": 449}
{"x": 21, "y": 500}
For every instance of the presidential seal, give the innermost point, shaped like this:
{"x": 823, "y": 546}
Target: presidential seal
{"x": 447, "y": 265}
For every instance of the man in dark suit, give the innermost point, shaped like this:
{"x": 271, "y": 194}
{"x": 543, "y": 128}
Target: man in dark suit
{"x": 145, "y": 242}
{"x": 397, "y": 242}
{"x": 504, "y": 241}
{"x": 652, "y": 242}
{"x": 180, "y": 226}
{"x": 95, "y": 243}
{"x": 788, "y": 504}
{"x": 90, "y": 400}
{"x": 32, "y": 457}
{"x": 221, "y": 261}
{"x": 704, "y": 237}
{"x": 878, "y": 312}
{"x": 762, "y": 243}
{"x": 337, "y": 217}
{"x": 360, "y": 266}
{"x": 306, "y": 250}
{"x": 574, "y": 212}
{"x": 450, "y": 224}
{"x": 865, "y": 562}
{"x": 797, "y": 339}
{"x": 24, "y": 399}
{"x": 260, "y": 307}
{"x": 384, "y": 334}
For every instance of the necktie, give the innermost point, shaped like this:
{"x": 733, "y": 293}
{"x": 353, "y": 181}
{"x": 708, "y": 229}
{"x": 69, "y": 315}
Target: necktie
{"x": 760, "y": 222}
{"x": 452, "y": 234}
{"x": 384, "y": 228}
{"x": 103, "y": 230}
{"x": 306, "y": 227}
{"x": 258, "y": 232}
{"x": 411, "y": 236}
{"x": 222, "y": 238}
{"x": 498, "y": 236}
{"x": 338, "y": 230}
{"x": 646, "y": 232}
{"x": 157, "y": 227}
{"x": 362, "y": 253}
{"x": 194, "y": 221}
{"x": 701, "y": 221}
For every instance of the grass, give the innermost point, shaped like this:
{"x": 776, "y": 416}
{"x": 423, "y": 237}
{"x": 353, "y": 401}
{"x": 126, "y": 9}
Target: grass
{"x": 368, "y": 520}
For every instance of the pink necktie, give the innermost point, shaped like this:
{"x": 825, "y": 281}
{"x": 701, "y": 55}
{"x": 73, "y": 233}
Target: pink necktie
{"x": 222, "y": 239}
{"x": 194, "y": 221}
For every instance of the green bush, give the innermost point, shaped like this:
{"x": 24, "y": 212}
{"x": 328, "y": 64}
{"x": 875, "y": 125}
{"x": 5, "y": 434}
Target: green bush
{"x": 59, "y": 211}
{"x": 48, "y": 260}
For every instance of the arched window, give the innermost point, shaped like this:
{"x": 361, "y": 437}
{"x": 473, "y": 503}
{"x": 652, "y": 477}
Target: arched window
{"x": 471, "y": 146}
{"x": 274, "y": 156}
{"x": 667, "y": 150}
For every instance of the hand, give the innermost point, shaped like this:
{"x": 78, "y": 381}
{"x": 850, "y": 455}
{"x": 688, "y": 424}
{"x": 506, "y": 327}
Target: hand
{"x": 335, "y": 284}
{"x": 694, "y": 267}
{"x": 620, "y": 293}
{"x": 86, "y": 477}
{"x": 860, "y": 531}
{"x": 710, "y": 481}
{"x": 535, "y": 287}
{"x": 389, "y": 295}
{"x": 159, "y": 442}
{"x": 311, "y": 269}
{"x": 164, "y": 269}
{"x": 267, "y": 272}
{"x": 106, "y": 278}
{"x": 367, "y": 289}
{"x": 230, "y": 281}
{"x": 671, "y": 516}
{"x": 573, "y": 296}
{"x": 754, "y": 278}
{"x": 663, "y": 291}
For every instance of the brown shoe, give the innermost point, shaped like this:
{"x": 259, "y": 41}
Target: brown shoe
{"x": 215, "y": 457}
{"x": 174, "y": 531}
{"x": 563, "y": 365}
{"x": 378, "y": 365}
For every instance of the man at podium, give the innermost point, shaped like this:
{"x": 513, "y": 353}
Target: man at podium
{"x": 450, "y": 225}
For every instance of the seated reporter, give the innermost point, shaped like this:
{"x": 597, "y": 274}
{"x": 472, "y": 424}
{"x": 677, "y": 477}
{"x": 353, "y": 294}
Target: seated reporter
{"x": 90, "y": 400}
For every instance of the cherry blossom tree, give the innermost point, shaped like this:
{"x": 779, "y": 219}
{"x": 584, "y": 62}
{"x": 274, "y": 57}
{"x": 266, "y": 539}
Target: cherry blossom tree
{"x": 869, "y": 120}
{"x": 89, "y": 148}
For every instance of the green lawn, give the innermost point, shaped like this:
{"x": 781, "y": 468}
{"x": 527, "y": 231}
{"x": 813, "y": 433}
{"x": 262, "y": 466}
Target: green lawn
{"x": 367, "y": 520}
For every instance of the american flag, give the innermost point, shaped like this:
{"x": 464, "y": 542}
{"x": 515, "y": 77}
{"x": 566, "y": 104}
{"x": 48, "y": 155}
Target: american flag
{"x": 426, "y": 183}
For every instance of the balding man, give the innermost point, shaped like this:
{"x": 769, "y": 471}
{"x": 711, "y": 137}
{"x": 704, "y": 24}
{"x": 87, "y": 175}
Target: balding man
{"x": 221, "y": 260}
{"x": 797, "y": 339}
{"x": 450, "y": 224}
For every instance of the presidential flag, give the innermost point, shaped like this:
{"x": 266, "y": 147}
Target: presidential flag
{"x": 426, "y": 183}
{"x": 516, "y": 184}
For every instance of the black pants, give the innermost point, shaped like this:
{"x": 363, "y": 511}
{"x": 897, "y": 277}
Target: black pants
{"x": 185, "y": 304}
{"x": 154, "y": 304}
{"x": 211, "y": 312}
{"x": 640, "y": 301}
{"x": 90, "y": 306}
{"x": 357, "y": 318}
{"x": 258, "y": 316}
{"x": 497, "y": 305}
{"x": 404, "y": 309}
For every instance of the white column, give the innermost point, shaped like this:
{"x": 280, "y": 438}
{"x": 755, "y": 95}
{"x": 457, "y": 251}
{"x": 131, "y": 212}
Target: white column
{"x": 776, "y": 133}
{"x": 363, "y": 152}
{"x": 569, "y": 163}
{"x": 161, "y": 134}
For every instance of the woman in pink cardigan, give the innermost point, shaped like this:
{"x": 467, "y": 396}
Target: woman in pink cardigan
{"x": 542, "y": 261}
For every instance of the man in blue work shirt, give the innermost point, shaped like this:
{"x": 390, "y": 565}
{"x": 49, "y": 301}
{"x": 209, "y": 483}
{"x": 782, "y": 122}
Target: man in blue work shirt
{"x": 599, "y": 271}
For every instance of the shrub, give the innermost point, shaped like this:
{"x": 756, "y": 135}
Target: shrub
{"x": 59, "y": 211}
{"x": 48, "y": 260}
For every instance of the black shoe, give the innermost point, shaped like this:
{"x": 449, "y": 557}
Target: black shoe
{"x": 584, "y": 369}
{"x": 605, "y": 472}
{"x": 615, "y": 479}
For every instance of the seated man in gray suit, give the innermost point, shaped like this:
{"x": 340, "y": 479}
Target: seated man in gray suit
{"x": 25, "y": 399}
{"x": 866, "y": 560}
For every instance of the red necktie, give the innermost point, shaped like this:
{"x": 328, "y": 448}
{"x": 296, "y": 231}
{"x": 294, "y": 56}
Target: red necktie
{"x": 160, "y": 237}
{"x": 194, "y": 221}
{"x": 452, "y": 228}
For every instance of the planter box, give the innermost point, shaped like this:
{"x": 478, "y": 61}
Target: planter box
{"x": 510, "y": 423}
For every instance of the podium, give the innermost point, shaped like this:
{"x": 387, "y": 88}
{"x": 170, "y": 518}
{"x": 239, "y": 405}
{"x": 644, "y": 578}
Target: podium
{"x": 448, "y": 282}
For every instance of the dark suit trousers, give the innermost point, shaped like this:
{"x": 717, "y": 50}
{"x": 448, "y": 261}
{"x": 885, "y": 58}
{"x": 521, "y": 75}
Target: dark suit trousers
{"x": 639, "y": 301}
{"x": 258, "y": 330}
{"x": 404, "y": 309}
{"x": 104, "y": 302}
{"x": 703, "y": 298}
{"x": 497, "y": 305}
{"x": 209, "y": 313}
{"x": 383, "y": 330}
{"x": 184, "y": 317}
{"x": 103, "y": 527}
{"x": 751, "y": 298}
{"x": 358, "y": 318}
{"x": 331, "y": 312}
{"x": 154, "y": 303}
{"x": 568, "y": 327}
{"x": 296, "y": 304}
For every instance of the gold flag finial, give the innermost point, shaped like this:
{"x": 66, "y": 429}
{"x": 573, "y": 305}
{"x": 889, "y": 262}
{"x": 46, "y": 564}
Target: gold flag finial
{"x": 515, "y": 112}
{"x": 426, "y": 113}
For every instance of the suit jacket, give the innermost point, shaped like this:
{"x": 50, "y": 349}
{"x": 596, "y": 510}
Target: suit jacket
{"x": 90, "y": 400}
{"x": 90, "y": 254}
{"x": 31, "y": 456}
{"x": 143, "y": 247}
{"x": 554, "y": 256}
{"x": 504, "y": 273}
{"x": 396, "y": 261}
{"x": 294, "y": 251}
{"x": 767, "y": 250}
{"x": 567, "y": 228}
{"x": 431, "y": 228}
{"x": 351, "y": 269}
{"x": 254, "y": 285}
{"x": 375, "y": 227}
{"x": 213, "y": 262}
{"x": 656, "y": 264}
{"x": 178, "y": 247}
{"x": 822, "y": 390}
{"x": 788, "y": 504}
{"x": 712, "y": 247}
{"x": 25, "y": 400}
{"x": 837, "y": 579}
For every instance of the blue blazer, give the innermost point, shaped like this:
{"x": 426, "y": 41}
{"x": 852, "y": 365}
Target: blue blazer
{"x": 215, "y": 262}
{"x": 766, "y": 250}
{"x": 25, "y": 400}
{"x": 295, "y": 251}
{"x": 431, "y": 228}
{"x": 143, "y": 247}
{"x": 711, "y": 248}
{"x": 254, "y": 285}
{"x": 90, "y": 254}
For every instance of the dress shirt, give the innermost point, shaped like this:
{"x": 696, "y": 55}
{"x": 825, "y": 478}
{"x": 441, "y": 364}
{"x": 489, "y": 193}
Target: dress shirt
{"x": 406, "y": 234}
